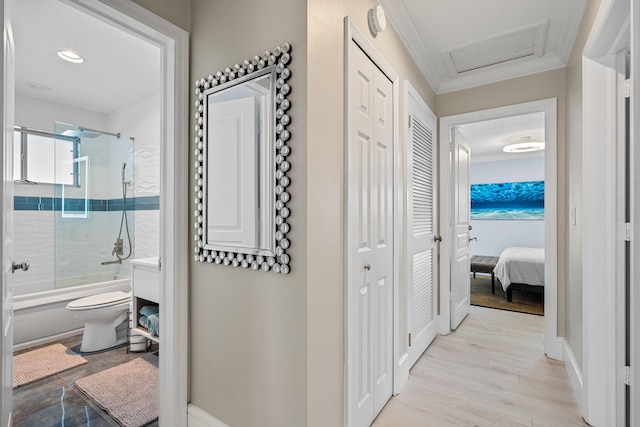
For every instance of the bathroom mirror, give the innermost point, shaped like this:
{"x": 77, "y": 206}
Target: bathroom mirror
{"x": 241, "y": 164}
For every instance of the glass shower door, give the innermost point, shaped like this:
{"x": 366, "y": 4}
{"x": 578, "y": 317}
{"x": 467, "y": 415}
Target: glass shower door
{"x": 93, "y": 224}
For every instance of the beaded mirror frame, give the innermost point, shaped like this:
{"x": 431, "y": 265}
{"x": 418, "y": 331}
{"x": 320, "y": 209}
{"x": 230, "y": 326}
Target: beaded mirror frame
{"x": 270, "y": 259}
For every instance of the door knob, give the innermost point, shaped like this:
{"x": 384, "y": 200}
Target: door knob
{"x": 367, "y": 267}
{"x": 437, "y": 238}
{"x": 473, "y": 239}
{"x": 24, "y": 266}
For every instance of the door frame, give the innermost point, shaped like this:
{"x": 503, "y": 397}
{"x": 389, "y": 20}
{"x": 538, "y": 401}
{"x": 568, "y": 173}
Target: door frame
{"x": 553, "y": 346}
{"x": 174, "y": 45}
{"x": 353, "y": 35}
{"x": 602, "y": 369}
{"x": 635, "y": 252}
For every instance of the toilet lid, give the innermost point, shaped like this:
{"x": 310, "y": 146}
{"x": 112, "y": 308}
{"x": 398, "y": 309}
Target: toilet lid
{"x": 106, "y": 299}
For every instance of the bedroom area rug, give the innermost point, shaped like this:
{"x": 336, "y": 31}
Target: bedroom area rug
{"x": 43, "y": 362}
{"x": 129, "y": 392}
{"x": 523, "y": 302}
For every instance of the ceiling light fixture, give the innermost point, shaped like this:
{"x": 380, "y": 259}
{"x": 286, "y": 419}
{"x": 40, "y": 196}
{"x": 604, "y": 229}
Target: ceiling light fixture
{"x": 525, "y": 146}
{"x": 71, "y": 56}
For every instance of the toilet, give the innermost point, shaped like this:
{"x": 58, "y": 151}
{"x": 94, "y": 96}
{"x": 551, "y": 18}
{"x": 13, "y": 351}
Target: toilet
{"x": 105, "y": 317}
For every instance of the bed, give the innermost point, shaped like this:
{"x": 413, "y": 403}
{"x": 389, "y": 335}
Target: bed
{"x": 521, "y": 268}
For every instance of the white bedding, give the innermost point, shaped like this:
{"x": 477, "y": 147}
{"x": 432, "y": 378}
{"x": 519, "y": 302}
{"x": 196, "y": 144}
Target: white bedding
{"x": 520, "y": 265}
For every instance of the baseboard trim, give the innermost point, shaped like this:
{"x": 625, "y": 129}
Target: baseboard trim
{"x": 196, "y": 417}
{"x": 573, "y": 372}
{"x": 47, "y": 340}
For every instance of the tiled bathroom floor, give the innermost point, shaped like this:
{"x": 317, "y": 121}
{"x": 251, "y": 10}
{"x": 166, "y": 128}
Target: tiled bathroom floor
{"x": 55, "y": 401}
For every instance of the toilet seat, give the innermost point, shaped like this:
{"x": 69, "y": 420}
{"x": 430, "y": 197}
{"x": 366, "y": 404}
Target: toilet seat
{"x": 100, "y": 301}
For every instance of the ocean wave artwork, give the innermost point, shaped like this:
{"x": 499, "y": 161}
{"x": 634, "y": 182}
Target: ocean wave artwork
{"x": 508, "y": 200}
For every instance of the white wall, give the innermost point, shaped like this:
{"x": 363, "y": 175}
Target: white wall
{"x": 141, "y": 121}
{"x": 42, "y": 115}
{"x": 495, "y": 235}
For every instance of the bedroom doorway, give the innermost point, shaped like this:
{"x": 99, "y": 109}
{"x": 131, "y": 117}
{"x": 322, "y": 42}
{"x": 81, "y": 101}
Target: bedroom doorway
{"x": 507, "y": 212}
{"x": 543, "y": 111}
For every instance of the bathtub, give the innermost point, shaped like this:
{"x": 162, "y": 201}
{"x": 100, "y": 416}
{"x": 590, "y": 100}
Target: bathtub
{"x": 43, "y": 317}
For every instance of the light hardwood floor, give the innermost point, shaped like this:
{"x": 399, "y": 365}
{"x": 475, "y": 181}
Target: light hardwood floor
{"x": 491, "y": 371}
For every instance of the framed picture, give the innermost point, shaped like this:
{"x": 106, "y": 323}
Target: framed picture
{"x": 508, "y": 200}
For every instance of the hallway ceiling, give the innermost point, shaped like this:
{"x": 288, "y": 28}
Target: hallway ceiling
{"x": 119, "y": 67}
{"x": 461, "y": 44}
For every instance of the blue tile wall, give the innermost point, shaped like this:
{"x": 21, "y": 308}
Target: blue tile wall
{"x": 29, "y": 203}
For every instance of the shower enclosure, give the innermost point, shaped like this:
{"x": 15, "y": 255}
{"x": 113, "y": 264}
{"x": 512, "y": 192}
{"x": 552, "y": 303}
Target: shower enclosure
{"x": 72, "y": 219}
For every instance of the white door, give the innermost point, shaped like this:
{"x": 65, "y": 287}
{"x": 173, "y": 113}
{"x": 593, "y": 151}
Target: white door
{"x": 422, "y": 257}
{"x": 460, "y": 281}
{"x": 6, "y": 372}
{"x": 230, "y": 182}
{"x": 369, "y": 240}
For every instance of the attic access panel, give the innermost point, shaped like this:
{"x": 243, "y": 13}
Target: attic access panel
{"x": 506, "y": 47}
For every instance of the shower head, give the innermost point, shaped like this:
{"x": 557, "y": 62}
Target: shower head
{"x": 80, "y": 133}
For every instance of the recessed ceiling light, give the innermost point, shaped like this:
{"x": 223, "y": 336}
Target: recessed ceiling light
{"x": 38, "y": 87}
{"x": 71, "y": 56}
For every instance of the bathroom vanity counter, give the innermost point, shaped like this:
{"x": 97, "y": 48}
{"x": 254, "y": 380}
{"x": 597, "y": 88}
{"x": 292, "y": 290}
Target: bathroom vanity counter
{"x": 145, "y": 287}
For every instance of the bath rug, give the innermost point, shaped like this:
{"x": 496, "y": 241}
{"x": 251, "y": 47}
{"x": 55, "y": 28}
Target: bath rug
{"x": 129, "y": 392}
{"x": 43, "y": 362}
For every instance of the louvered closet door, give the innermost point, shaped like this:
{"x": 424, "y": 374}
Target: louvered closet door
{"x": 369, "y": 240}
{"x": 421, "y": 227}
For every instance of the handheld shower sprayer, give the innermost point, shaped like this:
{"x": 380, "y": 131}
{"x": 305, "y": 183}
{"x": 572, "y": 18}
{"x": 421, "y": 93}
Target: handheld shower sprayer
{"x": 118, "y": 248}
{"x": 123, "y": 180}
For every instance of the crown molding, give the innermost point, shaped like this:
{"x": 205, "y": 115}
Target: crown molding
{"x": 435, "y": 71}
{"x": 569, "y": 32}
{"x": 399, "y": 18}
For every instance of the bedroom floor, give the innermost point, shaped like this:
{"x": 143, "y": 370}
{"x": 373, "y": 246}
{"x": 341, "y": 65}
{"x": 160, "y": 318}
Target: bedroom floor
{"x": 43, "y": 402}
{"x": 523, "y": 301}
{"x": 491, "y": 371}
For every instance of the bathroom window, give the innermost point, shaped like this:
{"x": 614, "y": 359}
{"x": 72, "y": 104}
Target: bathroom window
{"x": 40, "y": 157}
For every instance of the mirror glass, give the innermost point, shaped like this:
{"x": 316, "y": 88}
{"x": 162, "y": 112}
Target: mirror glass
{"x": 242, "y": 115}
{"x": 239, "y": 181}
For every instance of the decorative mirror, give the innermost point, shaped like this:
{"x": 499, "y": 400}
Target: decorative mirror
{"x": 241, "y": 164}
